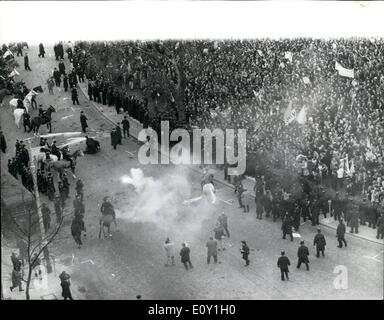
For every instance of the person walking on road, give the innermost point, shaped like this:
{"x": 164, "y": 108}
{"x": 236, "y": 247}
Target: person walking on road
{"x": 219, "y": 236}
{"x": 119, "y": 133}
{"x": 223, "y": 220}
{"x": 65, "y": 285}
{"x": 50, "y": 84}
{"x": 16, "y": 280}
{"x": 83, "y": 121}
{"x": 302, "y": 254}
{"x": 126, "y": 127}
{"x": 354, "y": 222}
{"x": 283, "y": 263}
{"x": 245, "y": 252}
{"x": 26, "y": 62}
{"x": 75, "y": 95}
{"x": 287, "y": 227}
{"x": 320, "y": 243}
{"x": 77, "y": 227}
{"x": 185, "y": 256}
{"x": 114, "y": 138}
{"x": 65, "y": 82}
{"x": 61, "y": 67}
{"x": 57, "y": 77}
{"x": 41, "y": 50}
{"x": 340, "y": 234}
{"x": 170, "y": 252}
{"x": 212, "y": 250}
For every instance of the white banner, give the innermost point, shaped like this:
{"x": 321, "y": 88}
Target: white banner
{"x": 349, "y": 73}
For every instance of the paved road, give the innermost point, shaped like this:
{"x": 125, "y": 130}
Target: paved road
{"x": 132, "y": 261}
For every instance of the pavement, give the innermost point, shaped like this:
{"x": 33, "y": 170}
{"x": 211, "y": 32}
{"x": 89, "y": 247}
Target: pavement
{"x": 131, "y": 262}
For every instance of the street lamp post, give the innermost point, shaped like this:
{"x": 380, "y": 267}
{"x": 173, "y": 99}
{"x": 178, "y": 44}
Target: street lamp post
{"x": 37, "y": 197}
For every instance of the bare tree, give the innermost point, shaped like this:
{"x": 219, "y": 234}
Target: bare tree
{"x": 36, "y": 246}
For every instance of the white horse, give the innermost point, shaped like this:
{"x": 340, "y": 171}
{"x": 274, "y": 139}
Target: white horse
{"x": 41, "y": 157}
{"x": 18, "y": 115}
{"x": 13, "y": 104}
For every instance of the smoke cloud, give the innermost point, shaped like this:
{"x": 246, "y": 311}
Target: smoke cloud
{"x": 161, "y": 201}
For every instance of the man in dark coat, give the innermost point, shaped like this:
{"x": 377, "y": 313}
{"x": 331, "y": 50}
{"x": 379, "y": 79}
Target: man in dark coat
{"x": 93, "y": 145}
{"x": 70, "y": 54}
{"x": 320, "y": 243}
{"x": 50, "y": 187}
{"x": 41, "y": 50}
{"x": 104, "y": 94}
{"x": 58, "y": 208}
{"x": 119, "y": 133}
{"x": 26, "y": 62}
{"x": 212, "y": 250}
{"x": 245, "y": 252}
{"x": 185, "y": 256}
{"x": 19, "y": 49}
{"x": 337, "y": 204}
{"x": 77, "y": 227}
{"x": 65, "y": 82}
{"x": 283, "y": 263}
{"x": 60, "y": 50}
{"x": 114, "y": 138}
{"x": 126, "y": 127}
{"x": 56, "y": 76}
{"x": 66, "y": 185}
{"x": 16, "y": 280}
{"x": 96, "y": 92}
{"x": 223, "y": 220}
{"x": 354, "y": 222}
{"x": 3, "y": 143}
{"x": 302, "y": 254}
{"x": 66, "y": 291}
{"x": 340, "y": 233}
{"x": 56, "y": 51}
{"x": 83, "y": 121}
{"x": 26, "y": 121}
{"x": 61, "y": 67}
{"x": 46, "y": 213}
{"x": 78, "y": 206}
{"x": 286, "y": 227}
{"x": 75, "y": 95}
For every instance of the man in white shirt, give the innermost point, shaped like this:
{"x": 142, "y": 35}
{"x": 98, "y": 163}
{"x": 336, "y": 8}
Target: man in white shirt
{"x": 169, "y": 251}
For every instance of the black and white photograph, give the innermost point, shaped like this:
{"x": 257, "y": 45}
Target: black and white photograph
{"x": 192, "y": 150}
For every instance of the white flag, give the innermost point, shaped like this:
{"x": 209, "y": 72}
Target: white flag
{"x": 205, "y": 51}
{"x": 306, "y": 80}
{"x": 288, "y": 55}
{"x": 7, "y": 54}
{"x": 349, "y": 73}
{"x": 260, "y": 52}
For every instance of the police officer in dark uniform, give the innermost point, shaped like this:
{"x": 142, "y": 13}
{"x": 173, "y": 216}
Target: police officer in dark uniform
{"x": 245, "y": 252}
{"x": 114, "y": 138}
{"x": 83, "y": 121}
{"x": 55, "y": 150}
{"x": 75, "y": 96}
{"x": 337, "y": 207}
{"x": 126, "y": 127}
{"x": 26, "y": 121}
{"x": 340, "y": 234}
{"x": 302, "y": 254}
{"x": 320, "y": 243}
{"x": 283, "y": 263}
{"x": 287, "y": 227}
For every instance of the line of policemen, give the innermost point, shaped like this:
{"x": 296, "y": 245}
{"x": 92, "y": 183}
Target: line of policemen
{"x": 102, "y": 92}
{"x": 309, "y": 206}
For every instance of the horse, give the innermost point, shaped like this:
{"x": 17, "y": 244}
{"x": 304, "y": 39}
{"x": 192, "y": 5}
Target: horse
{"x": 61, "y": 165}
{"x": 18, "y": 115}
{"x": 37, "y": 121}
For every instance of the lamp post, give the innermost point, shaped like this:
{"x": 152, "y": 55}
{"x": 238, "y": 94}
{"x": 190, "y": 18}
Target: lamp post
{"x": 37, "y": 197}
